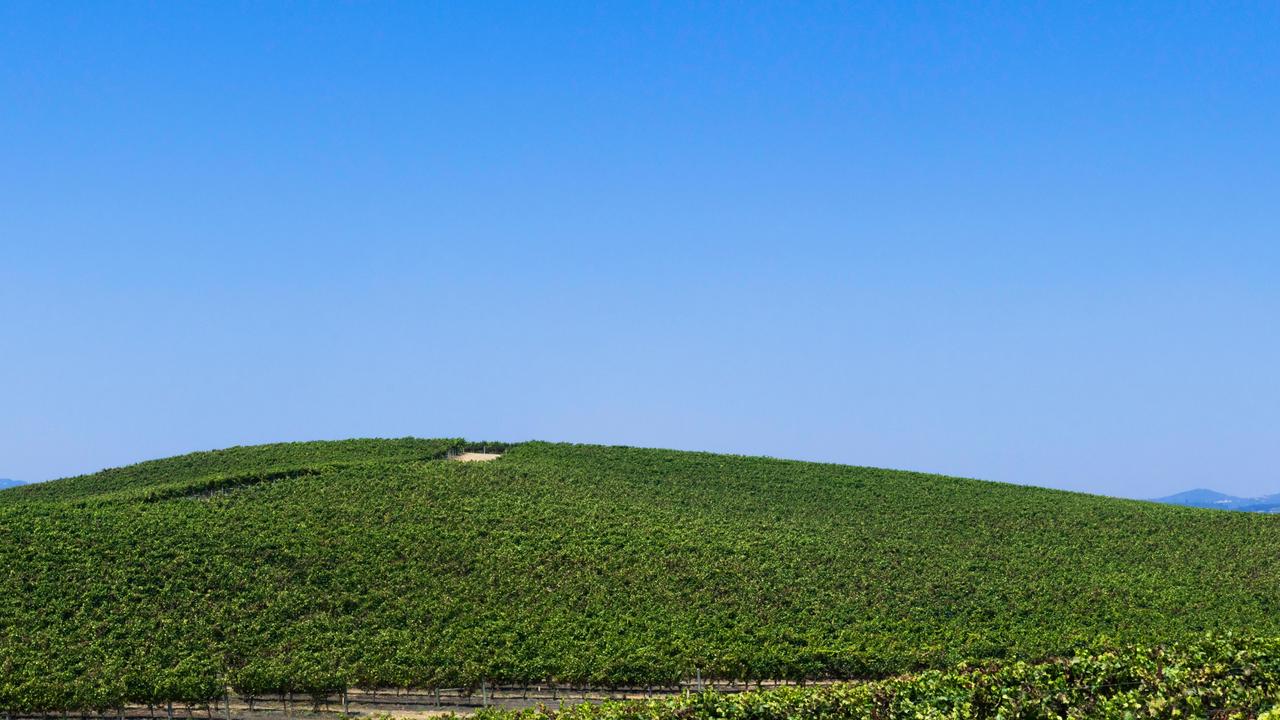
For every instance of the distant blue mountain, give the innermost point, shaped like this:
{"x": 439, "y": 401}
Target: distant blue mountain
{"x": 9, "y": 483}
{"x": 1203, "y": 498}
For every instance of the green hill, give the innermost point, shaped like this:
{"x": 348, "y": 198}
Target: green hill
{"x": 312, "y": 566}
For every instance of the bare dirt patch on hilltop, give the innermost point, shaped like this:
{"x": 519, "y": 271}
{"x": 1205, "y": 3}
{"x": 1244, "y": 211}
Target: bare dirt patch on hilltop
{"x": 476, "y": 457}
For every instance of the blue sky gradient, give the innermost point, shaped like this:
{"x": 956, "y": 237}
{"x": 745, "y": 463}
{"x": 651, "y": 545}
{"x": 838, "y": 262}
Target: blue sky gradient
{"x": 1028, "y": 242}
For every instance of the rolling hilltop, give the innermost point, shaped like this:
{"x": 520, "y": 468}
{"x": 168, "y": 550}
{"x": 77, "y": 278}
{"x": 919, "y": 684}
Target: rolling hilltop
{"x": 312, "y": 566}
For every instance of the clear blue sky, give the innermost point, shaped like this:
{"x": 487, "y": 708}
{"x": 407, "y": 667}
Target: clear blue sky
{"x": 1030, "y": 242}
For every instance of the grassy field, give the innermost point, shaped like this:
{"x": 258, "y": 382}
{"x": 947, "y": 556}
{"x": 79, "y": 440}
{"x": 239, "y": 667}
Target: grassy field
{"x": 314, "y": 566}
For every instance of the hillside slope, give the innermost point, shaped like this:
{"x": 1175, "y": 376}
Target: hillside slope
{"x": 375, "y": 563}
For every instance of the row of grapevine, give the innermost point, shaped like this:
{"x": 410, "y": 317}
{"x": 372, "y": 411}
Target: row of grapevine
{"x": 1221, "y": 678}
{"x": 1215, "y": 676}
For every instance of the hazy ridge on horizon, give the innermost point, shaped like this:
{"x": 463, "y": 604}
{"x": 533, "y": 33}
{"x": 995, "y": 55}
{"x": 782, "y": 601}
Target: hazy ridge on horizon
{"x": 1206, "y": 498}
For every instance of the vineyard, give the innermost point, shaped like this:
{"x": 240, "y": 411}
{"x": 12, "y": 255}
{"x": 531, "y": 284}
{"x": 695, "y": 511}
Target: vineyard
{"x": 314, "y": 568}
